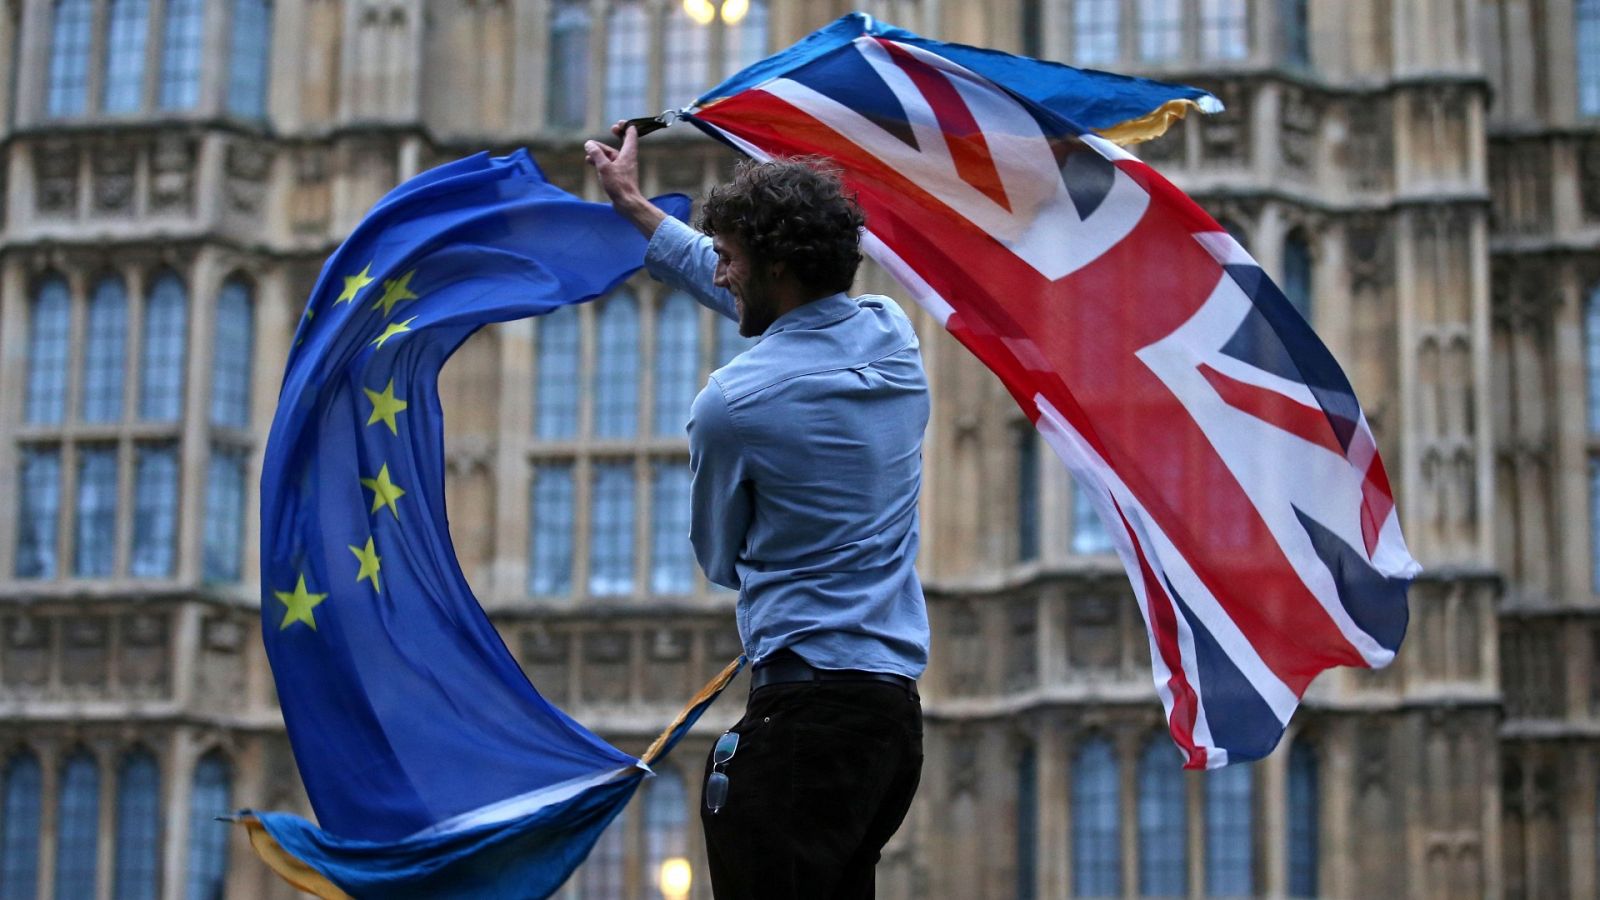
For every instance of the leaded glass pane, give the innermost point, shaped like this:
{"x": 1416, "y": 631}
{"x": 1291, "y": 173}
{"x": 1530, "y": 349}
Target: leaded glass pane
{"x": 230, "y": 366}
{"x": 1089, "y": 535}
{"x": 1027, "y": 824}
{"x": 677, "y": 362}
{"x": 1096, "y": 821}
{"x": 212, "y": 796}
{"x": 78, "y": 827}
{"x": 1230, "y": 832}
{"x": 666, "y": 826}
{"x": 745, "y": 41}
{"x": 603, "y": 875}
{"x": 166, "y": 327}
{"x": 1591, "y": 357}
{"x": 729, "y": 342}
{"x": 1163, "y": 818}
{"x": 1095, "y": 25}
{"x": 686, "y": 58}
{"x": 556, "y": 401}
{"x": 1588, "y": 14}
{"x": 1296, "y": 31}
{"x": 611, "y": 530}
{"x": 19, "y": 828}
{"x": 671, "y": 562}
{"x": 616, "y": 374}
{"x": 95, "y": 546}
{"x": 1224, "y": 29}
{"x": 67, "y": 93}
{"x": 1027, "y": 493}
{"x": 180, "y": 54}
{"x": 1304, "y": 820}
{"x": 1297, "y": 274}
{"x": 138, "y": 871}
{"x": 1160, "y": 30}
{"x": 1594, "y": 522}
{"x": 248, "y": 57}
{"x": 222, "y": 556}
{"x": 105, "y": 352}
{"x": 155, "y": 512}
{"x": 550, "y": 557}
{"x": 38, "y": 513}
{"x": 49, "y": 349}
{"x": 126, "y": 37}
{"x": 568, "y": 88}
{"x": 627, "y": 62}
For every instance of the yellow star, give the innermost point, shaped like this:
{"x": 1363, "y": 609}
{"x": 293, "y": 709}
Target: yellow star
{"x": 369, "y": 563}
{"x": 394, "y": 329}
{"x": 384, "y": 491}
{"x": 353, "y": 285}
{"x": 385, "y": 406}
{"x": 300, "y": 604}
{"x": 395, "y": 290}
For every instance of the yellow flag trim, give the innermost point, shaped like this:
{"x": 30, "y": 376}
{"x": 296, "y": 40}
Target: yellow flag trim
{"x": 1151, "y": 125}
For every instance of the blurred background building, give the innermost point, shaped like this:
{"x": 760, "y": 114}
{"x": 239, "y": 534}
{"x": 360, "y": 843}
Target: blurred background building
{"x": 1422, "y": 176}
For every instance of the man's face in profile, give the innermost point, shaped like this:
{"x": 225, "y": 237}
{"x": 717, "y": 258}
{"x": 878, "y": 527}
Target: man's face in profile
{"x": 749, "y": 283}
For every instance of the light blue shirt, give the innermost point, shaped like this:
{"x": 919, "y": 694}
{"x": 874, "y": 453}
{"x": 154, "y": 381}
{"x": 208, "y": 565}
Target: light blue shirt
{"x": 806, "y": 454}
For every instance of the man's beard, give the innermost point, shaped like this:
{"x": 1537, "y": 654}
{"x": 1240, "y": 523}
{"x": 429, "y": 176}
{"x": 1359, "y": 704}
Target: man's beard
{"x": 759, "y": 310}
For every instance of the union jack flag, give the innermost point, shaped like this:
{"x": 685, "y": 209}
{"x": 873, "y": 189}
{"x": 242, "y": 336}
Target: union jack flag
{"x": 1215, "y": 434}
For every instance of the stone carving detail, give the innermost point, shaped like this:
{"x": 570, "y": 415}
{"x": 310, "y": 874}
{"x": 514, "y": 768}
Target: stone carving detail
{"x": 172, "y": 164}
{"x": 1369, "y": 144}
{"x": 1092, "y": 643}
{"x": 220, "y": 675}
{"x": 56, "y": 178}
{"x": 546, "y": 657}
{"x": 1022, "y": 654}
{"x": 1225, "y": 137}
{"x": 667, "y": 653}
{"x": 84, "y": 653}
{"x": 1167, "y": 150}
{"x": 963, "y": 764}
{"x": 246, "y": 166}
{"x": 1298, "y": 130}
{"x": 1589, "y": 179}
{"x": 27, "y": 653}
{"x": 142, "y": 660}
{"x": 967, "y": 654}
{"x": 113, "y": 177}
{"x": 223, "y": 634}
{"x": 311, "y": 200}
{"x": 605, "y": 667}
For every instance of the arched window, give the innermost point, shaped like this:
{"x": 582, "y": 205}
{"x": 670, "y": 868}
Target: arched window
{"x": 1230, "y": 832}
{"x": 155, "y": 512}
{"x": 677, "y": 362}
{"x": 685, "y": 57}
{"x": 95, "y": 545}
{"x": 627, "y": 61}
{"x": 127, "y": 31}
{"x": 181, "y": 41}
{"x": 67, "y": 93}
{"x": 234, "y": 346}
{"x": 1304, "y": 819}
{"x": 1096, "y": 821}
{"x": 1027, "y": 823}
{"x": 616, "y": 371}
{"x": 19, "y": 827}
{"x": 1296, "y": 32}
{"x": 166, "y": 328}
{"x": 49, "y": 348}
{"x": 1163, "y": 817}
{"x": 666, "y": 823}
{"x": 550, "y": 558}
{"x": 1160, "y": 30}
{"x": 603, "y": 875}
{"x": 211, "y": 796}
{"x": 1027, "y": 442}
{"x": 78, "y": 826}
{"x": 224, "y": 539}
{"x": 1095, "y": 28}
{"x": 104, "y": 355}
{"x": 567, "y": 94}
{"x": 1588, "y": 13}
{"x": 1224, "y": 29}
{"x": 729, "y": 342}
{"x": 744, "y": 41}
{"x": 556, "y": 401}
{"x": 1297, "y": 273}
{"x": 249, "y": 55}
{"x": 138, "y": 872}
{"x": 38, "y": 512}
{"x": 671, "y": 565}
{"x": 611, "y": 529}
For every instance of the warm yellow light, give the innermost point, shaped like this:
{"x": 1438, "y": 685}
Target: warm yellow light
{"x": 675, "y": 878}
{"x": 700, "y": 10}
{"x": 734, "y": 10}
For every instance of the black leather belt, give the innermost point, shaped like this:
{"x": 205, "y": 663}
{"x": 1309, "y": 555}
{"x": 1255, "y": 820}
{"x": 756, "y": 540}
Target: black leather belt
{"x": 788, "y": 668}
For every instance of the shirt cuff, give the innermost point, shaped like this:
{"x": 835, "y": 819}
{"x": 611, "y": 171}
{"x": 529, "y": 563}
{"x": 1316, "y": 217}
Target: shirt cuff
{"x": 669, "y": 246}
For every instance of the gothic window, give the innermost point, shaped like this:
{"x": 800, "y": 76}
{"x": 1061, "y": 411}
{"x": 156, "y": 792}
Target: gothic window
{"x": 126, "y": 30}
{"x": 603, "y": 875}
{"x": 1303, "y": 820}
{"x": 249, "y": 58}
{"x": 567, "y": 93}
{"x": 616, "y": 381}
{"x": 67, "y": 93}
{"x": 155, "y": 511}
{"x": 729, "y": 342}
{"x": 671, "y": 566}
{"x": 1296, "y": 32}
{"x": 1089, "y": 535}
{"x": 211, "y": 795}
{"x": 611, "y": 529}
{"x": 744, "y": 40}
{"x": 1588, "y": 13}
{"x": 161, "y": 366}
{"x": 181, "y": 42}
{"x": 1224, "y": 29}
{"x": 1095, "y": 26}
{"x": 221, "y": 557}
{"x": 677, "y": 362}
{"x": 1096, "y": 821}
{"x": 556, "y": 410}
{"x": 1230, "y": 832}
{"x": 49, "y": 348}
{"x": 38, "y": 512}
{"x": 234, "y": 345}
{"x": 1591, "y": 357}
{"x": 1297, "y": 273}
{"x": 95, "y": 544}
{"x": 78, "y": 826}
{"x": 19, "y": 826}
{"x": 1160, "y": 30}
{"x": 627, "y": 61}
{"x": 1027, "y": 823}
{"x": 550, "y": 559}
{"x": 685, "y": 57}
{"x": 104, "y": 352}
{"x": 138, "y": 864}
{"x": 666, "y": 830}
{"x": 1163, "y": 817}
{"x": 1027, "y": 442}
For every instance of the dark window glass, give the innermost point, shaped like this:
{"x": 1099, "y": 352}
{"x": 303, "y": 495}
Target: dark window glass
{"x": 1027, "y": 824}
{"x": 1230, "y": 832}
{"x": 249, "y": 54}
{"x": 155, "y": 512}
{"x": 1027, "y": 492}
{"x": 550, "y": 558}
{"x": 627, "y": 62}
{"x": 49, "y": 349}
{"x": 556, "y": 402}
{"x": 95, "y": 547}
{"x": 127, "y": 32}
{"x": 67, "y": 93}
{"x": 138, "y": 871}
{"x": 234, "y": 347}
{"x": 38, "y": 513}
{"x": 1296, "y": 32}
{"x": 1224, "y": 29}
{"x": 671, "y": 565}
{"x": 1096, "y": 821}
{"x": 1160, "y": 30}
{"x": 616, "y": 380}
{"x": 677, "y": 362}
{"x": 1297, "y": 274}
{"x": 568, "y": 94}
{"x": 1588, "y": 13}
{"x": 1163, "y": 817}
{"x": 666, "y": 827}
{"x": 211, "y": 796}
{"x": 19, "y": 828}
{"x": 1095, "y": 25}
{"x": 611, "y": 530}
{"x": 161, "y": 369}
{"x": 1304, "y": 819}
{"x": 105, "y": 352}
{"x": 78, "y": 827}
{"x": 745, "y": 41}
{"x": 180, "y": 54}
{"x": 222, "y": 558}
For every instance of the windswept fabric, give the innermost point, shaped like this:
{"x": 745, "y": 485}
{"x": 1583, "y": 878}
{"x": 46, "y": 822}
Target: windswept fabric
{"x": 1214, "y": 433}
{"x": 434, "y": 766}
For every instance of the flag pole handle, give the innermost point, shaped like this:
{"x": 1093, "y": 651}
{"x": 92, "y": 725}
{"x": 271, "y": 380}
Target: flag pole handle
{"x": 648, "y": 124}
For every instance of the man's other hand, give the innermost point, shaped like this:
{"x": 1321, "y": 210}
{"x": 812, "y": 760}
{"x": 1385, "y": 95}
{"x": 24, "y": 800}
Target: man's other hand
{"x": 618, "y": 171}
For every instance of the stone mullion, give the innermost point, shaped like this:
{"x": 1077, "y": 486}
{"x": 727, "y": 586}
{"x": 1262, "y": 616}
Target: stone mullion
{"x": 1481, "y": 344}
{"x": 650, "y": 299}
{"x": 203, "y": 287}
{"x": 96, "y": 76}
{"x": 1053, "y": 801}
{"x": 176, "y": 837}
{"x": 105, "y": 847}
{"x": 512, "y": 472}
{"x": 67, "y": 516}
{"x": 155, "y": 45}
{"x": 213, "y": 57}
{"x": 582, "y": 464}
{"x": 14, "y": 300}
{"x": 49, "y": 814}
{"x": 1272, "y": 819}
{"x": 127, "y": 455}
{"x": 1126, "y": 746}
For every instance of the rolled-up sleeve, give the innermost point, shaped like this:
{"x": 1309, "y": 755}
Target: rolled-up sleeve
{"x": 721, "y": 495}
{"x": 682, "y": 257}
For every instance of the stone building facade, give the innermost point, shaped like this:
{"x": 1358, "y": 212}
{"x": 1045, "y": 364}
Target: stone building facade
{"x": 1422, "y": 176}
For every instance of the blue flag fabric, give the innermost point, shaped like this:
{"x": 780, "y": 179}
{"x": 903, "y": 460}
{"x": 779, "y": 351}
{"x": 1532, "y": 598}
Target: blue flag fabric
{"x": 421, "y": 743}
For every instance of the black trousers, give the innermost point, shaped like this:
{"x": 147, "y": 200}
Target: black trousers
{"x": 822, "y": 778}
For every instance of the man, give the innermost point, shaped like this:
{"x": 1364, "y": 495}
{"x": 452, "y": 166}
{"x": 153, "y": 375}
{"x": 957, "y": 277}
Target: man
{"x": 806, "y": 453}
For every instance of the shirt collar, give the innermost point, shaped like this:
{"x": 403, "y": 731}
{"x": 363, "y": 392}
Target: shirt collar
{"x": 814, "y": 314}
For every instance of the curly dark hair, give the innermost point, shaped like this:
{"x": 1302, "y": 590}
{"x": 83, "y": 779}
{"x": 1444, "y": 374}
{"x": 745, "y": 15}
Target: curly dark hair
{"x": 795, "y": 211}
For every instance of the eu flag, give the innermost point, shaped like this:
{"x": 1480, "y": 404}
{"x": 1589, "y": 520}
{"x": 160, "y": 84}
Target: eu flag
{"x": 433, "y": 765}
